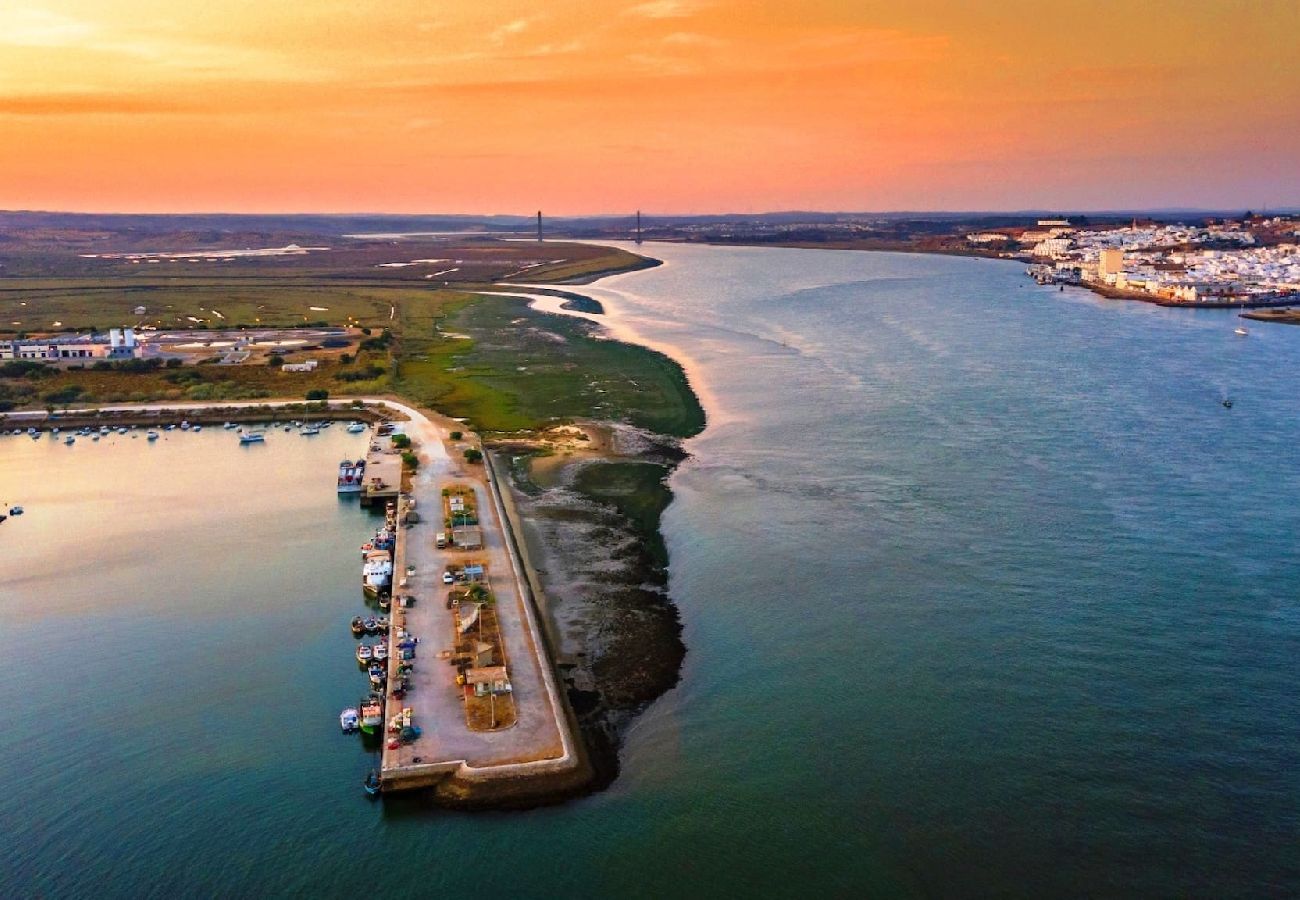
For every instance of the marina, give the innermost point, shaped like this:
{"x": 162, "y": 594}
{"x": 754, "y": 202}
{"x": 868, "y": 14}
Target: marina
{"x": 427, "y": 675}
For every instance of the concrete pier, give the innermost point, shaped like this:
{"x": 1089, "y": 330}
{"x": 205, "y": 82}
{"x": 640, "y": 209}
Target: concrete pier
{"x": 383, "y": 478}
{"x": 540, "y": 742}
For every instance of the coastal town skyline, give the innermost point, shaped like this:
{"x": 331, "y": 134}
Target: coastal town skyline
{"x": 700, "y": 107}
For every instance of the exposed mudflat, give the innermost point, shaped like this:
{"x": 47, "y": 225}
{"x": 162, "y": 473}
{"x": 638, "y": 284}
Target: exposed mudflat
{"x": 591, "y": 523}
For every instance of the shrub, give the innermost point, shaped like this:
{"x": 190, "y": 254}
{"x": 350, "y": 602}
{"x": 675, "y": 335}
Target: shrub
{"x": 455, "y": 435}
{"x": 345, "y": 359}
{"x": 275, "y": 360}
{"x": 25, "y": 368}
{"x": 473, "y": 455}
{"x": 63, "y": 395}
{"x": 318, "y": 394}
{"x": 174, "y": 363}
{"x": 401, "y": 441}
{"x": 410, "y": 460}
{"x": 102, "y": 365}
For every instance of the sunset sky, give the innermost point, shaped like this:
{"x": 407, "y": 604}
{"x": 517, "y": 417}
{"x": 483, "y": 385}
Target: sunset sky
{"x": 579, "y": 106}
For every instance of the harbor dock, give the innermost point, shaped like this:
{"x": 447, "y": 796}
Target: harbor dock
{"x": 383, "y": 478}
{"x": 506, "y": 669}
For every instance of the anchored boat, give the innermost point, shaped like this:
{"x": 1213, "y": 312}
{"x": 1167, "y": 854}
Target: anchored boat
{"x": 349, "y": 720}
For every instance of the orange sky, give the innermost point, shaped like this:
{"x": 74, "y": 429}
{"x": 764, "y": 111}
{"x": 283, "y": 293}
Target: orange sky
{"x": 580, "y": 106}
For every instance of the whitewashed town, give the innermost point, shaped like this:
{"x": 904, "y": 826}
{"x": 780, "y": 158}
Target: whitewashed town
{"x": 1221, "y": 264}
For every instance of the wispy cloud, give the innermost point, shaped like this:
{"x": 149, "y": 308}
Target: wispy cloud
{"x": 509, "y": 30}
{"x": 169, "y": 55}
{"x": 690, "y": 39}
{"x": 41, "y": 28}
{"x": 664, "y": 9}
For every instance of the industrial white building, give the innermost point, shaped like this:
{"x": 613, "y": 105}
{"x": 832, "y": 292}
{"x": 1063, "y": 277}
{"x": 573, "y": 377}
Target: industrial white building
{"x": 119, "y": 343}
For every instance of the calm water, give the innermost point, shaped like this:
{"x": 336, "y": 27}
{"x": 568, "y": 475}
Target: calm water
{"x": 985, "y": 593}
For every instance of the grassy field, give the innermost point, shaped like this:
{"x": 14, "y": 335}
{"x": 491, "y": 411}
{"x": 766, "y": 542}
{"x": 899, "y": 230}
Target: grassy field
{"x": 489, "y": 359}
{"x": 31, "y": 306}
{"x": 507, "y": 367}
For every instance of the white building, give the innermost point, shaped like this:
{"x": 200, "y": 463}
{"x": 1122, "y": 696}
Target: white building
{"x": 119, "y": 344}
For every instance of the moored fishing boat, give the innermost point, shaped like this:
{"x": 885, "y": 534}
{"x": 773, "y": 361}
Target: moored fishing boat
{"x": 371, "y": 625}
{"x": 358, "y": 627}
{"x": 377, "y": 675}
{"x": 349, "y": 720}
{"x": 252, "y": 437}
{"x": 373, "y": 785}
{"x": 381, "y": 651}
{"x": 356, "y": 428}
{"x": 151, "y": 436}
{"x": 377, "y": 573}
{"x": 351, "y": 475}
{"x": 364, "y": 653}
{"x": 372, "y": 713}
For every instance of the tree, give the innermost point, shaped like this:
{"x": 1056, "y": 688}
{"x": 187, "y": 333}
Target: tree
{"x": 410, "y": 460}
{"x": 401, "y": 441}
{"x": 318, "y": 394}
{"x": 174, "y": 362}
{"x": 455, "y": 435}
{"x": 473, "y": 455}
{"x": 275, "y": 360}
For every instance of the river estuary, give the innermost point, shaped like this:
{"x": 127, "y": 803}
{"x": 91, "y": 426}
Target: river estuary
{"x": 985, "y": 591}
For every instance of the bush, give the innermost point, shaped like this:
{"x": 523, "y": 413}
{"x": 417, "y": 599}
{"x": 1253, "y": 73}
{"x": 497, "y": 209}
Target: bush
{"x": 138, "y": 365}
{"x": 473, "y": 455}
{"x": 174, "y": 363}
{"x": 455, "y": 435}
{"x": 401, "y": 441}
{"x": 275, "y": 361}
{"x": 318, "y": 394}
{"x": 25, "y": 368}
{"x": 63, "y": 395}
{"x": 410, "y": 460}
{"x": 102, "y": 366}
{"x": 364, "y": 374}
{"x": 345, "y": 359}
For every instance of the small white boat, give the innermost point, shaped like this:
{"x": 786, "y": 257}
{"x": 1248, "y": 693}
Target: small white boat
{"x": 15, "y": 510}
{"x": 121, "y": 429}
{"x": 1241, "y": 330}
{"x": 356, "y": 428}
{"x": 251, "y": 437}
{"x": 196, "y": 429}
{"x": 349, "y": 720}
{"x": 152, "y": 436}
{"x": 104, "y": 429}
{"x": 229, "y": 425}
{"x": 69, "y": 440}
{"x": 54, "y": 430}
{"x": 310, "y": 430}
{"x": 185, "y": 426}
{"x": 365, "y": 653}
{"x": 381, "y": 651}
